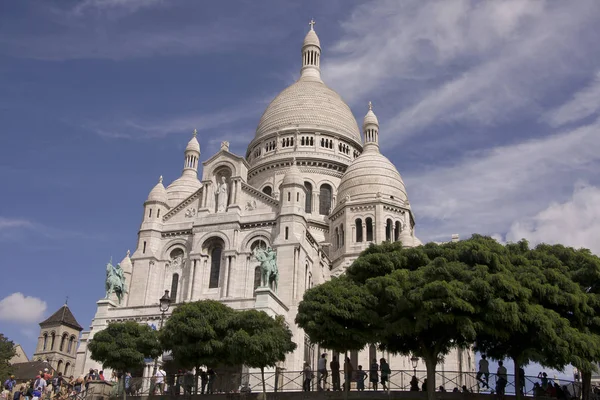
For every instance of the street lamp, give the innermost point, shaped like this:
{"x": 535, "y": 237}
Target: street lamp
{"x": 415, "y": 361}
{"x": 164, "y": 304}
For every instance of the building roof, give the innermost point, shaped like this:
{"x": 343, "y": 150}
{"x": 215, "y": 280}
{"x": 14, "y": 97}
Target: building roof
{"x": 158, "y": 192}
{"x": 29, "y": 370}
{"x": 63, "y": 316}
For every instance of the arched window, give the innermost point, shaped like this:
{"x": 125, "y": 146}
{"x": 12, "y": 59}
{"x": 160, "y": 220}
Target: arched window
{"x": 268, "y": 190}
{"x": 174, "y": 287}
{"x": 261, "y": 244}
{"x": 215, "y": 266}
{"x": 287, "y": 233}
{"x": 308, "y": 200}
{"x": 53, "y": 338}
{"x": 71, "y": 342}
{"x": 63, "y": 339}
{"x": 359, "y": 230}
{"x": 342, "y": 234}
{"x": 306, "y": 277}
{"x": 336, "y": 238}
{"x": 369, "y": 223}
{"x": 388, "y": 230}
{"x": 45, "y": 341}
{"x": 325, "y": 199}
{"x": 397, "y": 231}
{"x": 59, "y": 365}
{"x": 67, "y": 365}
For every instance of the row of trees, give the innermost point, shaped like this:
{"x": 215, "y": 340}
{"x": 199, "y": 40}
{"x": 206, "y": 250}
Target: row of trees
{"x": 537, "y": 304}
{"x": 202, "y": 333}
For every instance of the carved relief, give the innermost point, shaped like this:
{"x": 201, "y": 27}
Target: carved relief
{"x": 250, "y": 205}
{"x": 190, "y": 212}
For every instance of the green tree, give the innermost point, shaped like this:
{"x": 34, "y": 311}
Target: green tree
{"x": 123, "y": 346}
{"x": 338, "y": 315}
{"x": 7, "y": 351}
{"x": 575, "y": 279}
{"x": 195, "y": 333}
{"x": 259, "y": 341}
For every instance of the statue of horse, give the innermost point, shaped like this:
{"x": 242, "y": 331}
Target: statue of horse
{"x": 268, "y": 267}
{"x": 115, "y": 281}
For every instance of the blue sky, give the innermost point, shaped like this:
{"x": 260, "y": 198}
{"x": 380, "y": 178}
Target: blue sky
{"x": 488, "y": 109}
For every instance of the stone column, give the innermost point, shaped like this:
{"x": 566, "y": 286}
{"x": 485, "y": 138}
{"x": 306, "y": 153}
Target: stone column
{"x": 225, "y": 288}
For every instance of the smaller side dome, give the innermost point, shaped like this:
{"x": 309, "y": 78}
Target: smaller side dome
{"x": 126, "y": 265}
{"x": 158, "y": 192}
{"x": 293, "y": 176}
{"x": 193, "y": 144}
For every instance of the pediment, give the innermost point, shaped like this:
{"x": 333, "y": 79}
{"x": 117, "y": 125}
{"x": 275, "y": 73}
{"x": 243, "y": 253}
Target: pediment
{"x": 186, "y": 210}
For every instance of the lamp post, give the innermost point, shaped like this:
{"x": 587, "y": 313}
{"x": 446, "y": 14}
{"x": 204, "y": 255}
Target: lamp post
{"x": 415, "y": 361}
{"x": 164, "y": 304}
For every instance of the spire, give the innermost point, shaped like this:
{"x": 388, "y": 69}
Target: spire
{"x": 311, "y": 55}
{"x": 371, "y": 128}
{"x": 192, "y": 154}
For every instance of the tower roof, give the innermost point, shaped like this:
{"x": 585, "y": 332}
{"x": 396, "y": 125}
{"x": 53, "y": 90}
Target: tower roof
{"x": 63, "y": 316}
{"x": 158, "y": 192}
{"x": 311, "y": 37}
{"x": 193, "y": 144}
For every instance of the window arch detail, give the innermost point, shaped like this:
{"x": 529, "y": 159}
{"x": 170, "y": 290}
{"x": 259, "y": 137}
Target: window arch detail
{"x": 369, "y": 229}
{"x": 308, "y": 201}
{"x": 325, "y": 195}
{"x": 359, "y": 230}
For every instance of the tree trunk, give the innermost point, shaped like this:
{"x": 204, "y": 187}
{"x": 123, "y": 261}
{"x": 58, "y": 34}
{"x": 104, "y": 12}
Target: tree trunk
{"x": 431, "y": 363}
{"x": 195, "y": 391}
{"x": 517, "y": 380}
{"x": 262, "y": 376}
{"x": 586, "y": 384}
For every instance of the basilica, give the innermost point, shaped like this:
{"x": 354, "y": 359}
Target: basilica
{"x": 313, "y": 186}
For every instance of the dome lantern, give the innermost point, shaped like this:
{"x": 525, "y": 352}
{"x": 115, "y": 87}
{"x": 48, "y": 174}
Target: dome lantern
{"x": 158, "y": 192}
{"x": 192, "y": 154}
{"x": 371, "y": 128}
{"x": 311, "y": 55}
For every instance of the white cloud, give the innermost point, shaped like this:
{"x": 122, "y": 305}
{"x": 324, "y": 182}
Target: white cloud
{"x": 584, "y": 103}
{"x": 486, "y": 191}
{"x": 575, "y": 222}
{"x": 447, "y": 62}
{"x": 14, "y": 223}
{"x": 113, "y": 5}
{"x": 23, "y": 309}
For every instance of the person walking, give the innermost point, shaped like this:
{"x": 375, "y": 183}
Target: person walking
{"x": 484, "y": 371}
{"x": 334, "y": 365}
{"x": 348, "y": 374}
{"x": 374, "y": 374}
{"x": 159, "y": 380}
{"x": 322, "y": 373}
{"x": 385, "y": 373}
{"x": 307, "y": 373}
{"x": 501, "y": 379}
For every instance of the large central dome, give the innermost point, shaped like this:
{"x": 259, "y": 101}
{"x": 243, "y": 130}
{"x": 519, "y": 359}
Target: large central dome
{"x": 309, "y": 103}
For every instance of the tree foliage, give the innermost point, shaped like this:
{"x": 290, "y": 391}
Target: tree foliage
{"x": 257, "y": 340}
{"x": 338, "y": 315}
{"x": 196, "y": 333}
{"x": 7, "y": 351}
{"x": 123, "y": 346}
{"x": 537, "y": 304}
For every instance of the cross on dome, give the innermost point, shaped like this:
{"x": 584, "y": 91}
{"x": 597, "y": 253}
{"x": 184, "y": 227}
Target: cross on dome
{"x": 160, "y": 179}
{"x": 312, "y": 24}
{"x": 195, "y": 132}
{"x": 370, "y": 106}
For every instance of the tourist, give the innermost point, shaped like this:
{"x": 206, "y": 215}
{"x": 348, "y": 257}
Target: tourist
{"x": 484, "y": 370}
{"x": 19, "y": 393}
{"x": 203, "y": 381}
{"x": 442, "y": 389}
{"x": 29, "y": 391}
{"x": 128, "y": 383}
{"x": 544, "y": 380}
{"x": 465, "y": 389}
{"x": 322, "y": 372}
{"x": 57, "y": 383}
{"x": 39, "y": 383}
{"x": 4, "y": 394}
{"x": 501, "y": 379}
{"x": 334, "y": 365}
{"x": 360, "y": 378}
{"x": 424, "y": 385}
{"x": 522, "y": 380}
{"x": 385, "y": 373}
{"x": 414, "y": 384}
{"x": 212, "y": 376}
{"x": 10, "y": 383}
{"x": 47, "y": 376}
{"x": 348, "y": 374}
{"x": 307, "y": 373}
{"x": 456, "y": 390}
{"x": 160, "y": 380}
{"x": 188, "y": 382}
{"x": 374, "y": 374}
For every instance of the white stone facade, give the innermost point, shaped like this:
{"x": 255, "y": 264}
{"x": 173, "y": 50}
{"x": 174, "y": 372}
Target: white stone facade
{"x": 308, "y": 187}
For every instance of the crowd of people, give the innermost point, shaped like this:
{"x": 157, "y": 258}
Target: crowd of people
{"x": 378, "y": 373}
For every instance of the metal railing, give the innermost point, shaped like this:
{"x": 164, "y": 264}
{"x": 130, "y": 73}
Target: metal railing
{"x": 398, "y": 380}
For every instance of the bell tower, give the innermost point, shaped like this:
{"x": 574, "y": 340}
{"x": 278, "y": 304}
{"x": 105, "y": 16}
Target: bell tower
{"x": 57, "y": 343}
